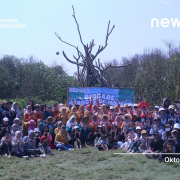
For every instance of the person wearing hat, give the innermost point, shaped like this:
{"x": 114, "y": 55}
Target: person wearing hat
{"x": 163, "y": 116}
{"x": 105, "y": 123}
{"x": 38, "y": 113}
{"x": 135, "y": 111}
{"x": 156, "y": 127}
{"x": 155, "y": 113}
{"x": 94, "y": 123}
{"x": 171, "y": 116}
{"x": 44, "y": 147}
{"x": 84, "y": 128}
{"x": 127, "y": 121}
{"x": 112, "y": 114}
{"x": 4, "y": 127}
{"x": 76, "y": 137}
{"x": 98, "y": 133}
{"x": 144, "y": 109}
{"x": 62, "y": 114}
{"x": 156, "y": 146}
{"x": 133, "y": 147}
{"x": 62, "y": 138}
{"x": 145, "y": 142}
{"x": 167, "y": 133}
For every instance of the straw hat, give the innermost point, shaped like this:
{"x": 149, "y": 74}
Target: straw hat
{"x": 127, "y": 115}
{"x": 104, "y": 115}
{"x": 63, "y": 107}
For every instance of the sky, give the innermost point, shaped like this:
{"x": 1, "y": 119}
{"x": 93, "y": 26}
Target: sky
{"x": 131, "y": 35}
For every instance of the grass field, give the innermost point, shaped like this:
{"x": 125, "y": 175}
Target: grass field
{"x": 88, "y": 163}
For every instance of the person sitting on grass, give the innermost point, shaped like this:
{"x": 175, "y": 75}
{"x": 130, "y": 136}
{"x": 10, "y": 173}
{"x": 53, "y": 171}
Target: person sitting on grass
{"x": 14, "y": 128}
{"x": 130, "y": 138}
{"x": 145, "y": 142}
{"x": 76, "y": 137}
{"x": 32, "y": 125}
{"x": 168, "y": 147}
{"x": 4, "y": 127}
{"x": 114, "y": 137}
{"x": 98, "y": 134}
{"x": 156, "y": 146}
{"x": 84, "y": 128}
{"x": 122, "y": 137}
{"x": 71, "y": 123}
{"x": 156, "y": 127}
{"x": 30, "y": 144}
{"x": 25, "y": 127}
{"x": 44, "y": 147}
{"x": 102, "y": 143}
{"x": 6, "y": 144}
{"x": 89, "y": 141}
{"x": 59, "y": 124}
{"x": 18, "y": 145}
{"x": 133, "y": 147}
{"x": 62, "y": 138}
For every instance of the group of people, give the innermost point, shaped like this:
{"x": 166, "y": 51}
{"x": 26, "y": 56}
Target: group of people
{"x": 133, "y": 128}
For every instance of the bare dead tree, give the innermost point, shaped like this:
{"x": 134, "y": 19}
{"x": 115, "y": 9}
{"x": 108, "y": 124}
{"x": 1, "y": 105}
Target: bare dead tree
{"x": 90, "y": 74}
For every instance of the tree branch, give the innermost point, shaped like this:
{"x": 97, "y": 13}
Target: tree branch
{"x": 73, "y": 62}
{"x": 77, "y": 26}
{"x": 69, "y": 44}
{"x": 101, "y": 48}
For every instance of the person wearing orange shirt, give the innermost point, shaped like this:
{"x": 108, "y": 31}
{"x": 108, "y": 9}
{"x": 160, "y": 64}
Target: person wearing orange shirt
{"x": 62, "y": 114}
{"x": 55, "y": 110}
{"x": 38, "y": 113}
{"x": 80, "y": 114}
{"x": 29, "y": 114}
{"x": 94, "y": 123}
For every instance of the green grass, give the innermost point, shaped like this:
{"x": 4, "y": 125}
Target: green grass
{"x": 88, "y": 163}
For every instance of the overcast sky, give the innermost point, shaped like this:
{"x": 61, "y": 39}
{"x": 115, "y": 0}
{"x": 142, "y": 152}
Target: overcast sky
{"x": 132, "y": 34}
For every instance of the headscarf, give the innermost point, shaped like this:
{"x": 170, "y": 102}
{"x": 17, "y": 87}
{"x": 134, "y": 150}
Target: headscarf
{"x": 60, "y": 105}
{"x": 94, "y": 109}
{"x": 64, "y": 134}
{"x": 16, "y": 120}
{"x": 38, "y": 112}
{"x": 17, "y": 110}
{"x": 32, "y": 127}
{"x": 16, "y": 133}
{"x": 27, "y": 110}
{"x": 30, "y": 132}
{"x": 69, "y": 122}
{"x": 24, "y": 128}
{"x": 97, "y": 120}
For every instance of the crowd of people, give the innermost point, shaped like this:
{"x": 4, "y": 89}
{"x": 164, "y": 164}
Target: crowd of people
{"x": 132, "y": 128}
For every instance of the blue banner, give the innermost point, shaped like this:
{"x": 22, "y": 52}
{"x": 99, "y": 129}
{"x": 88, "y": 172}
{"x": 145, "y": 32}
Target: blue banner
{"x": 82, "y": 95}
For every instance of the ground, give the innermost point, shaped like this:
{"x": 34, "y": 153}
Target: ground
{"x": 88, "y": 163}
